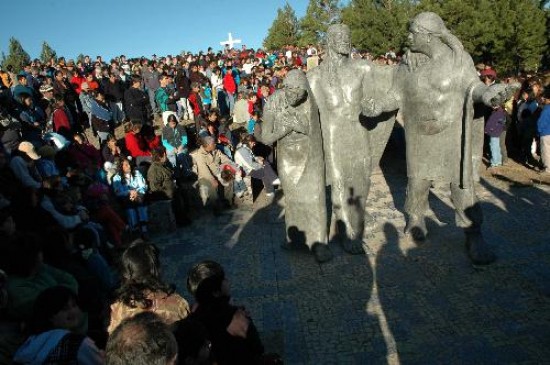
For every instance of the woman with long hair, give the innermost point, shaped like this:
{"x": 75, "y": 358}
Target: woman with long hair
{"x": 143, "y": 289}
{"x": 130, "y": 188}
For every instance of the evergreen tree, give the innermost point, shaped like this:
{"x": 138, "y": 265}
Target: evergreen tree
{"x": 319, "y": 15}
{"x": 378, "y": 25}
{"x": 80, "y": 57}
{"x": 283, "y": 30}
{"x": 47, "y": 53}
{"x": 17, "y": 56}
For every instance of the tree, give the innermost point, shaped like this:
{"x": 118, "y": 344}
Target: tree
{"x": 378, "y": 25}
{"x": 17, "y": 57}
{"x": 319, "y": 15}
{"x": 283, "y": 30}
{"x": 47, "y": 53}
{"x": 509, "y": 34}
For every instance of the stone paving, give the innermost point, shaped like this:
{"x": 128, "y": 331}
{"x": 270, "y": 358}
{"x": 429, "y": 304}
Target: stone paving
{"x": 399, "y": 303}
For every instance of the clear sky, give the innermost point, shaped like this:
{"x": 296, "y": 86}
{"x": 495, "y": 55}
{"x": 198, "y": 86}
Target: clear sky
{"x": 136, "y": 27}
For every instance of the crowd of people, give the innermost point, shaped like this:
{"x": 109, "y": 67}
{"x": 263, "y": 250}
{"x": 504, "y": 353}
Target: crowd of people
{"x": 88, "y": 147}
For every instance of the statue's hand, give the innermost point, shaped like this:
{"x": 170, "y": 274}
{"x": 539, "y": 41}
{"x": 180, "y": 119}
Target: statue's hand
{"x": 497, "y": 94}
{"x": 370, "y": 108}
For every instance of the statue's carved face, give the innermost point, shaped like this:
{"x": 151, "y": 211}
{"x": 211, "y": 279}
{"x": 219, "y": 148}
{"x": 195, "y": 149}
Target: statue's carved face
{"x": 339, "y": 40}
{"x": 295, "y": 95}
{"x": 417, "y": 39}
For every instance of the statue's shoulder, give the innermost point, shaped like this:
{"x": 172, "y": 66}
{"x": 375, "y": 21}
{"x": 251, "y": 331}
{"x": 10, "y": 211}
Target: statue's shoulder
{"x": 274, "y": 100}
{"x": 362, "y": 64}
{"x": 314, "y": 74}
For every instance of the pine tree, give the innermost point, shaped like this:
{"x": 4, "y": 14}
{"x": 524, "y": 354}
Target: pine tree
{"x": 17, "y": 56}
{"x": 319, "y": 15}
{"x": 378, "y": 25}
{"x": 47, "y": 53}
{"x": 283, "y": 30}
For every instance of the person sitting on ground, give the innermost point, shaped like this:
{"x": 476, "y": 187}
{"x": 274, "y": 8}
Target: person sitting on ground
{"x": 54, "y": 331}
{"x": 255, "y": 167}
{"x": 130, "y": 187}
{"x": 111, "y": 150}
{"x": 174, "y": 140}
{"x": 142, "y": 340}
{"x": 235, "y": 339}
{"x": 206, "y": 163}
{"x": 138, "y": 146}
{"x": 33, "y": 119}
{"x": 144, "y": 290}
{"x": 163, "y": 187}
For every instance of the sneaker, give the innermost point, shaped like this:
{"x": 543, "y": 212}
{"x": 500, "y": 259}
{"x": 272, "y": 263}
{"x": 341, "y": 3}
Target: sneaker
{"x": 277, "y": 181}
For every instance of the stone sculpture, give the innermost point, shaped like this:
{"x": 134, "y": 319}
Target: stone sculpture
{"x": 435, "y": 88}
{"x": 351, "y": 147}
{"x": 291, "y": 117}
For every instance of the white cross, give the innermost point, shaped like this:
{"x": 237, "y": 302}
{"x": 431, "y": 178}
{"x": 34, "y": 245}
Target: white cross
{"x": 230, "y": 42}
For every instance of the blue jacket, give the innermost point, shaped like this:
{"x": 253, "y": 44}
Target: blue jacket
{"x": 543, "y": 124}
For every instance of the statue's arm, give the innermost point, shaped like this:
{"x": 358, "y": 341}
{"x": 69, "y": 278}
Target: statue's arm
{"x": 273, "y": 128}
{"x": 381, "y": 89}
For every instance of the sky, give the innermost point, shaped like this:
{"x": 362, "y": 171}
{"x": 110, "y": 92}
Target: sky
{"x": 136, "y": 27}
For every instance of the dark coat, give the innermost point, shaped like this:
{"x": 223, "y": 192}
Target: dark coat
{"x": 137, "y": 104}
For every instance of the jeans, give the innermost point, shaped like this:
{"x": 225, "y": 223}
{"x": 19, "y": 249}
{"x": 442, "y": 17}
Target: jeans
{"x": 118, "y": 112}
{"x": 267, "y": 175}
{"x": 180, "y": 161}
{"x": 230, "y": 101}
{"x": 151, "y": 94}
{"x": 496, "y": 157}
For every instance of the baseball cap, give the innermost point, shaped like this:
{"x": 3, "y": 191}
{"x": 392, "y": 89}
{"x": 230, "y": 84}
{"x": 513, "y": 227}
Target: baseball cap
{"x": 28, "y": 148}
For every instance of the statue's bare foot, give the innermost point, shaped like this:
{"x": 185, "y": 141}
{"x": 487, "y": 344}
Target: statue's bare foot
{"x": 322, "y": 253}
{"x": 478, "y": 250}
{"x": 353, "y": 247}
{"x": 416, "y": 228}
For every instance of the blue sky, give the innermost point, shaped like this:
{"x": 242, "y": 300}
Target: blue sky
{"x": 136, "y": 27}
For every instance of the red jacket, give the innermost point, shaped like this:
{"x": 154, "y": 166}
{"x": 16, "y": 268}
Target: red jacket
{"x": 60, "y": 121}
{"x": 196, "y": 103}
{"x": 137, "y": 145}
{"x": 229, "y": 83}
{"x": 77, "y": 81}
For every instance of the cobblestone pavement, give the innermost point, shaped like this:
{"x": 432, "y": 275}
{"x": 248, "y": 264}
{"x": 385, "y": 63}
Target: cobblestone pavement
{"x": 400, "y": 303}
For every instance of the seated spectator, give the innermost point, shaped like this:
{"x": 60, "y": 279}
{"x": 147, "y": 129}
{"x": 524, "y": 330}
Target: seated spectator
{"x": 235, "y": 339}
{"x": 174, "y": 140}
{"x": 207, "y": 161}
{"x": 137, "y": 144}
{"x": 61, "y": 118}
{"x": 111, "y": 150}
{"x": 241, "y": 115}
{"x": 86, "y": 157}
{"x": 24, "y": 167}
{"x": 163, "y": 187}
{"x": 254, "y": 166}
{"x": 130, "y": 187}
{"x": 144, "y": 290}
{"x": 55, "y": 335}
{"x": 142, "y": 340}
{"x": 28, "y": 276}
{"x": 33, "y": 120}
{"x": 46, "y": 164}
{"x": 194, "y": 346}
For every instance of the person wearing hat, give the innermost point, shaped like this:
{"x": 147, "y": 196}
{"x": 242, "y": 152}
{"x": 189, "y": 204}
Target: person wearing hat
{"x": 23, "y": 165}
{"x": 543, "y": 127}
{"x": 86, "y": 99}
{"x": 46, "y": 103}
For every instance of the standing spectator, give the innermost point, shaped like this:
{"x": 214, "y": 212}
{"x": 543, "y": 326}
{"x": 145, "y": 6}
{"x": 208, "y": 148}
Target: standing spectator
{"x": 22, "y": 87}
{"x": 86, "y": 99}
{"x": 229, "y": 87}
{"x": 114, "y": 95}
{"x": 137, "y": 104}
{"x": 101, "y": 117}
{"x": 493, "y": 128}
{"x": 183, "y": 87}
{"x": 165, "y": 97}
{"x": 543, "y": 126}
{"x": 151, "y": 82}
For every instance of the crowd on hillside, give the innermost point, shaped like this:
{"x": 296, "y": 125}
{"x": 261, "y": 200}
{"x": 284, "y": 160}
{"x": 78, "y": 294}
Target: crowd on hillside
{"x": 76, "y": 271}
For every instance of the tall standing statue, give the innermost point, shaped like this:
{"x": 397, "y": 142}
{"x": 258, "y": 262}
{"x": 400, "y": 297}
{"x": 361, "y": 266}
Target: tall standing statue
{"x": 436, "y": 86}
{"x": 339, "y": 85}
{"x": 291, "y": 117}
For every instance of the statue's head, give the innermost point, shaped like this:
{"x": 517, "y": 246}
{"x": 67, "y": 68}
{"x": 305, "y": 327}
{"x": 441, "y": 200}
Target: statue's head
{"x": 339, "y": 39}
{"x": 296, "y": 87}
{"x": 423, "y": 28}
